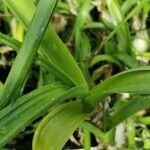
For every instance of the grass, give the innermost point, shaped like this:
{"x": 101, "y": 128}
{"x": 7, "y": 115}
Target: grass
{"x": 82, "y": 76}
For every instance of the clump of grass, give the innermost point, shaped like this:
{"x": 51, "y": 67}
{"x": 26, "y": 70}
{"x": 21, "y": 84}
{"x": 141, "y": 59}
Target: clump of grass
{"x": 84, "y": 87}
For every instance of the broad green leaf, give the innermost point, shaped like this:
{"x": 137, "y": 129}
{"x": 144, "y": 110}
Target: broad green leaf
{"x": 26, "y": 108}
{"x": 135, "y": 81}
{"x": 52, "y": 47}
{"x": 16, "y": 116}
{"x": 56, "y": 128}
{"x": 24, "y": 59}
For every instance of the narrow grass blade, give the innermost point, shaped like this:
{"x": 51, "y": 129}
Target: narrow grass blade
{"x": 83, "y": 46}
{"x": 127, "y": 60}
{"x": 133, "y": 106}
{"x": 135, "y": 81}
{"x": 145, "y": 120}
{"x": 49, "y": 66}
{"x": 82, "y": 15}
{"x": 98, "y": 58}
{"x": 92, "y": 25}
{"x": 1, "y": 86}
{"x": 137, "y": 8}
{"x": 141, "y": 4}
{"x": 82, "y": 41}
{"x": 26, "y": 54}
{"x": 9, "y": 41}
{"x": 56, "y": 128}
{"x": 107, "y": 137}
{"x": 87, "y": 138}
{"x": 131, "y": 131}
{"x": 127, "y": 5}
{"x": 123, "y": 31}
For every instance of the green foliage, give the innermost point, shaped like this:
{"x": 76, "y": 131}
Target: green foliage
{"x": 58, "y": 125}
{"x": 69, "y": 85}
{"x": 51, "y": 46}
{"x": 26, "y": 53}
{"x": 132, "y": 81}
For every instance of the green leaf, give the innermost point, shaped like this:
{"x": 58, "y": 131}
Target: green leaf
{"x": 135, "y": 81}
{"x": 51, "y": 46}
{"x": 9, "y": 41}
{"x": 127, "y": 5}
{"x": 135, "y": 10}
{"x": 83, "y": 14}
{"x": 140, "y": 5}
{"x": 145, "y": 120}
{"x": 49, "y": 66}
{"x": 107, "y": 137}
{"x": 27, "y": 108}
{"x": 86, "y": 138}
{"x": 131, "y": 131}
{"x": 56, "y": 128}
{"x": 126, "y": 59}
{"x": 133, "y": 106}
{"x": 123, "y": 31}
{"x": 16, "y": 116}
{"x": 24, "y": 59}
{"x": 82, "y": 46}
{"x": 1, "y": 86}
{"x": 98, "y": 58}
{"x": 92, "y": 25}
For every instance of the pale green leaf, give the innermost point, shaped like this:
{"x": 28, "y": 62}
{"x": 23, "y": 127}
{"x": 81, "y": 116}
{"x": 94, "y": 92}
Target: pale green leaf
{"x": 56, "y": 128}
